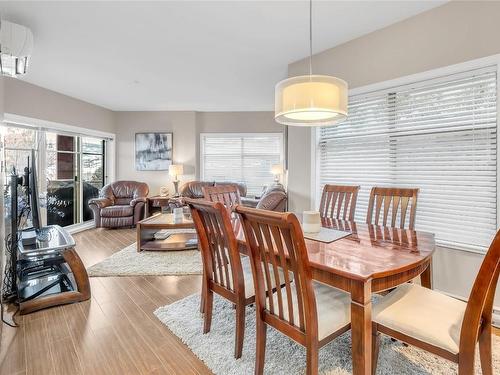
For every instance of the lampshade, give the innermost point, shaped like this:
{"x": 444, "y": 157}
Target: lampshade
{"x": 276, "y": 169}
{"x": 311, "y": 100}
{"x": 175, "y": 170}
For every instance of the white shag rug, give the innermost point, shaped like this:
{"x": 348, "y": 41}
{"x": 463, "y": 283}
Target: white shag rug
{"x": 129, "y": 262}
{"x": 284, "y": 356}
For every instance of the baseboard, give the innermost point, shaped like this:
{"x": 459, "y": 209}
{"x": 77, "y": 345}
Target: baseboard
{"x": 75, "y": 228}
{"x": 496, "y": 309}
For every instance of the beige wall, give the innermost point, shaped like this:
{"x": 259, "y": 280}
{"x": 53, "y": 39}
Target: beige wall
{"x": 234, "y": 122}
{"x": 453, "y": 33}
{"x": 183, "y": 127}
{"x": 186, "y": 127}
{"x": 24, "y": 99}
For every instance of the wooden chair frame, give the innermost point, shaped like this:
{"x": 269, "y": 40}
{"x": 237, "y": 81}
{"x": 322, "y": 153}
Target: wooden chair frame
{"x": 222, "y": 270}
{"x": 276, "y": 239}
{"x": 228, "y": 195}
{"x": 476, "y": 325}
{"x": 395, "y": 197}
{"x": 337, "y": 199}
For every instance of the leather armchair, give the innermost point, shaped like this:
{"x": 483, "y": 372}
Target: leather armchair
{"x": 120, "y": 204}
{"x": 273, "y": 199}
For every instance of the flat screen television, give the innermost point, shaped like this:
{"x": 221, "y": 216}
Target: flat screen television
{"x": 33, "y": 194}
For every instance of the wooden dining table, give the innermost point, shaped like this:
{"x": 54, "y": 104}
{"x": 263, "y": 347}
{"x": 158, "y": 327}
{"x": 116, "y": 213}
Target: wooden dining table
{"x": 369, "y": 260}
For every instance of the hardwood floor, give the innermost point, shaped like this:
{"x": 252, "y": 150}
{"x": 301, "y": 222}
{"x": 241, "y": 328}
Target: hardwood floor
{"x": 113, "y": 333}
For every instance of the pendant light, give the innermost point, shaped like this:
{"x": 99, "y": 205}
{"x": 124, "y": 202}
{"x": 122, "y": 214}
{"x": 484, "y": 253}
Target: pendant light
{"x": 310, "y": 100}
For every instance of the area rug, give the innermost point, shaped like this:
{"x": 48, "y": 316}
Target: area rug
{"x": 283, "y": 356}
{"x": 128, "y": 262}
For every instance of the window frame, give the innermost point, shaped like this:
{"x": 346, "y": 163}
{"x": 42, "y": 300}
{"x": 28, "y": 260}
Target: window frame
{"x": 415, "y": 80}
{"x": 236, "y": 135}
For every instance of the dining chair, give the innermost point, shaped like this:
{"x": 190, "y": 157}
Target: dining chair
{"x": 228, "y": 195}
{"x": 339, "y": 202}
{"x": 440, "y": 324}
{"x": 308, "y": 312}
{"x": 395, "y": 200}
{"x": 224, "y": 271}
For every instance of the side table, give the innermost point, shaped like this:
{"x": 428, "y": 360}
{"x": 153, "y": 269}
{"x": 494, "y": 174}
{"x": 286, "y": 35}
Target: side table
{"x": 155, "y": 204}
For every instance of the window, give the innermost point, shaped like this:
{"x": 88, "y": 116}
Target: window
{"x": 245, "y": 158}
{"x": 438, "y": 135}
{"x": 70, "y": 169}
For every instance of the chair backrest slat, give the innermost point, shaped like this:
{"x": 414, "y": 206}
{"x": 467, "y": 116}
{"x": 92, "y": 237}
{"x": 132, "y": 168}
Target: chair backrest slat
{"x": 220, "y": 253}
{"x": 228, "y": 195}
{"x": 394, "y": 201}
{"x": 339, "y": 202}
{"x": 276, "y": 242}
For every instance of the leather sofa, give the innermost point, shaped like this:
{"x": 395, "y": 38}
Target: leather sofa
{"x": 274, "y": 197}
{"x": 120, "y": 204}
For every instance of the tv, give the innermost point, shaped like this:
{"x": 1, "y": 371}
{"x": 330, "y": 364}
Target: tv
{"x": 33, "y": 195}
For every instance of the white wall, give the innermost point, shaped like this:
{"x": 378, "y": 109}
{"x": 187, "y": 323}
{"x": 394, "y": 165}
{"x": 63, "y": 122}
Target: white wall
{"x": 456, "y": 32}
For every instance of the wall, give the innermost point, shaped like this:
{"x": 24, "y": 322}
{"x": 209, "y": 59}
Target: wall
{"x": 456, "y": 32}
{"x": 25, "y": 99}
{"x": 234, "y": 122}
{"x": 186, "y": 127}
{"x": 183, "y": 127}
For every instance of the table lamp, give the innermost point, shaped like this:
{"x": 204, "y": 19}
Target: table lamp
{"x": 277, "y": 170}
{"x": 175, "y": 170}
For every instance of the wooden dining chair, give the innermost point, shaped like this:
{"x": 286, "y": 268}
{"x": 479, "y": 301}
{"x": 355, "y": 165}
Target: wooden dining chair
{"x": 224, "y": 271}
{"x": 339, "y": 202}
{"x": 440, "y": 324}
{"x": 395, "y": 200}
{"x": 309, "y": 313}
{"x": 228, "y": 195}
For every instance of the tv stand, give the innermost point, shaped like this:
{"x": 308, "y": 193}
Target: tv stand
{"x": 50, "y": 272}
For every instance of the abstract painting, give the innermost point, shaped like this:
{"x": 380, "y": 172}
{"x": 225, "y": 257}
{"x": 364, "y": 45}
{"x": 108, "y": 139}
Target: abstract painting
{"x": 153, "y": 151}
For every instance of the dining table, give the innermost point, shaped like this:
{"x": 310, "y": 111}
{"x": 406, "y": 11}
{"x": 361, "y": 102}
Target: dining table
{"x": 370, "y": 259}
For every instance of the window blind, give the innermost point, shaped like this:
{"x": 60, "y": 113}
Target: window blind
{"x": 438, "y": 135}
{"x": 245, "y": 158}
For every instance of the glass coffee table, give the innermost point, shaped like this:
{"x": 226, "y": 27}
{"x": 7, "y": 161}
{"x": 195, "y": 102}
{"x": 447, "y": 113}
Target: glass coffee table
{"x": 147, "y": 228}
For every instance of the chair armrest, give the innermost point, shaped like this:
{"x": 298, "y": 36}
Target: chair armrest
{"x": 133, "y": 202}
{"x": 101, "y": 202}
{"x": 273, "y": 201}
{"x": 249, "y": 202}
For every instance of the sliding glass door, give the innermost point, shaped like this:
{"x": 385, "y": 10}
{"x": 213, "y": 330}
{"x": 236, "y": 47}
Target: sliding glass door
{"x": 75, "y": 174}
{"x": 71, "y": 170}
{"x": 92, "y": 172}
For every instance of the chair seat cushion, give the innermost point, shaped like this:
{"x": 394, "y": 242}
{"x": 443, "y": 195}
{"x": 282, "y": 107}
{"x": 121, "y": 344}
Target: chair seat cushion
{"x": 117, "y": 211}
{"x": 333, "y": 307}
{"x": 423, "y": 314}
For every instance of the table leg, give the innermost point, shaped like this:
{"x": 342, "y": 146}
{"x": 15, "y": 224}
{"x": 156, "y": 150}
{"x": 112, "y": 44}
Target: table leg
{"x": 426, "y": 277}
{"x": 138, "y": 237}
{"x": 361, "y": 328}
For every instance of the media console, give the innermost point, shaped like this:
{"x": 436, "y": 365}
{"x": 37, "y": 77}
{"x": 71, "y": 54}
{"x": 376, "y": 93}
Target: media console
{"x": 50, "y": 272}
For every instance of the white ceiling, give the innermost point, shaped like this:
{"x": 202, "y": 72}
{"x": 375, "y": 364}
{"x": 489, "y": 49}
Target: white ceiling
{"x": 186, "y": 55}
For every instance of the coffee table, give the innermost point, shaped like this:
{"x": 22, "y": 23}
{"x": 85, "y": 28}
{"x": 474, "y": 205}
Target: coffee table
{"x": 147, "y": 228}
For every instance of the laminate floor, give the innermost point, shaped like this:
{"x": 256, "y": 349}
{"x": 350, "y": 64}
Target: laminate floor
{"x": 113, "y": 333}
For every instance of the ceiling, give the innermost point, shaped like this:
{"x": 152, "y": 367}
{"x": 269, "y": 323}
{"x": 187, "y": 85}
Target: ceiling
{"x": 186, "y": 55}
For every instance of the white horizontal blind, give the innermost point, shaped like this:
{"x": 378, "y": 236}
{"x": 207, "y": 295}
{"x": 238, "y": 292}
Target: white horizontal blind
{"x": 438, "y": 135}
{"x": 245, "y": 158}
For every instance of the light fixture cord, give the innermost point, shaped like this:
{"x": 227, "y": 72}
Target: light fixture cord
{"x": 310, "y": 39}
